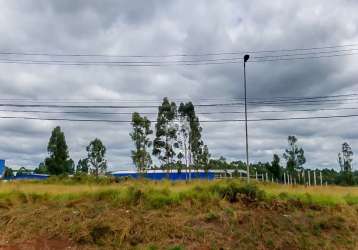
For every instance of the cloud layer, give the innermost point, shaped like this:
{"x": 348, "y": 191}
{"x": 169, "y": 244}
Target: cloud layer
{"x": 178, "y": 27}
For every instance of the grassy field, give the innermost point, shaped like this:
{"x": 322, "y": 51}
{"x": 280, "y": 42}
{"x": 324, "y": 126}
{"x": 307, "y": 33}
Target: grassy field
{"x": 176, "y": 215}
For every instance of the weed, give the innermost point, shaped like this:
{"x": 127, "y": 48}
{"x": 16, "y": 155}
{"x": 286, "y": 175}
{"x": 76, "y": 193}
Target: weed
{"x": 99, "y": 233}
{"x": 176, "y": 248}
{"x": 211, "y": 216}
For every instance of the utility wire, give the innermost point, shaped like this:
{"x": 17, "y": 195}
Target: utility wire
{"x": 302, "y": 58}
{"x": 178, "y": 61}
{"x": 105, "y": 106}
{"x": 231, "y": 104}
{"x": 204, "y": 121}
{"x": 198, "y": 113}
{"x": 68, "y": 100}
{"x": 199, "y": 62}
{"x": 172, "y": 55}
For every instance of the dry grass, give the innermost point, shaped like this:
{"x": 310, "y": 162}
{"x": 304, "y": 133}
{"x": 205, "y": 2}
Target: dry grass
{"x": 166, "y": 215}
{"x": 321, "y": 194}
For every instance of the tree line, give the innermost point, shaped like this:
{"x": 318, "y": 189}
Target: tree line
{"x": 177, "y": 144}
{"x": 176, "y": 141}
{"x": 59, "y": 162}
{"x": 294, "y": 160}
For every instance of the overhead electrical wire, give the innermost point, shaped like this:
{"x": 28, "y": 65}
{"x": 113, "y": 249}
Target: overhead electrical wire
{"x": 251, "y": 100}
{"x": 163, "y": 64}
{"x": 75, "y": 100}
{"x": 172, "y": 55}
{"x": 203, "y": 121}
{"x": 192, "y": 62}
{"x": 198, "y": 113}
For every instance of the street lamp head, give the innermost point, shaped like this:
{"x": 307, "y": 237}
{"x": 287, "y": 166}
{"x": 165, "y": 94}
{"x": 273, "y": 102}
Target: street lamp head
{"x": 246, "y": 58}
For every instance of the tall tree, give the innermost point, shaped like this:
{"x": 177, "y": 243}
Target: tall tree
{"x": 294, "y": 155}
{"x": 165, "y": 141}
{"x": 82, "y": 166}
{"x": 59, "y": 161}
{"x": 183, "y": 133}
{"x": 205, "y": 158}
{"x": 190, "y": 130}
{"x": 96, "y": 157}
{"x": 140, "y": 136}
{"x": 8, "y": 173}
{"x": 41, "y": 169}
{"x": 345, "y": 158}
{"x": 274, "y": 168}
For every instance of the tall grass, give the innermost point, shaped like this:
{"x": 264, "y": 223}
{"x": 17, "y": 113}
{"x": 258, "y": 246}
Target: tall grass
{"x": 165, "y": 193}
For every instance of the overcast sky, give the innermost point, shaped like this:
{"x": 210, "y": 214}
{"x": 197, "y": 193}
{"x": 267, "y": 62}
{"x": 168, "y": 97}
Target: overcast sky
{"x": 116, "y": 27}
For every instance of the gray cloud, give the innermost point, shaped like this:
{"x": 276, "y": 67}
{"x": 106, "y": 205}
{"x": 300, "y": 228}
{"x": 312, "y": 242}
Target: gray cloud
{"x": 175, "y": 27}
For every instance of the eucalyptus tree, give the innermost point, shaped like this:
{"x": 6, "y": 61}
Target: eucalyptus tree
{"x": 190, "y": 133}
{"x": 294, "y": 155}
{"x": 96, "y": 157}
{"x": 82, "y": 166}
{"x": 205, "y": 158}
{"x": 165, "y": 142}
{"x": 140, "y": 136}
{"x": 183, "y": 132}
{"x": 345, "y": 158}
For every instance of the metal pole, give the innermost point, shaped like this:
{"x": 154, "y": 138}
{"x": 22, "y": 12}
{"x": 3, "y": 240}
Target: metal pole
{"x": 320, "y": 176}
{"x": 246, "y": 58}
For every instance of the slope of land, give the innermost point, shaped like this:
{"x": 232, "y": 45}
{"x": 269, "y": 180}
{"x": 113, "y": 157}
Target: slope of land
{"x": 164, "y": 215}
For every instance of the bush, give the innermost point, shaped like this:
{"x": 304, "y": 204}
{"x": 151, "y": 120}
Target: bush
{"x": 80, "y": 179}
{"x": 233, "y": 191}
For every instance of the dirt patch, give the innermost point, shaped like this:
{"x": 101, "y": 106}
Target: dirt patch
{"x": 44, "y": 244}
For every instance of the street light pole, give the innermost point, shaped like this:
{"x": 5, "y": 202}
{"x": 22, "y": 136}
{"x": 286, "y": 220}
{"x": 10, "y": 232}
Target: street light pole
{"x": 246, "y": 58}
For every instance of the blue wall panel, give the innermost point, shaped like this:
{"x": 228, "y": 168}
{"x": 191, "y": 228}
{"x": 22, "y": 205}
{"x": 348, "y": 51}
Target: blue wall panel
{"x": 2, "y": 168}
{"x": 30, "y": 177}
{"x": 169, "y": 176}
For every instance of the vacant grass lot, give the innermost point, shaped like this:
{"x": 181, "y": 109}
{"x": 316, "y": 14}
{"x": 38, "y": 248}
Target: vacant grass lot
{"x": 102, "y": 214}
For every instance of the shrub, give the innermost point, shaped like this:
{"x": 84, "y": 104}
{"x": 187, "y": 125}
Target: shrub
{"x": 232, "y": 191}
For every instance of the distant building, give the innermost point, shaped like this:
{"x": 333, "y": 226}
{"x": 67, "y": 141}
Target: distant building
{"x": 175, "y": 175}
{"x": 2, "y": 168}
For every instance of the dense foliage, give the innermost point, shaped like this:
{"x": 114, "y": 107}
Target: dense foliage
{"x": 178, "y": 145}
{"x": 59, "y": 161}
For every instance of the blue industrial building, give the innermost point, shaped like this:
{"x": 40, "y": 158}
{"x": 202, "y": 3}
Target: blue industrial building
{"x": 160, "y": 175}
{"x": 173, "y": 175}
{"x": 2, "y": 168}
{"x": 30, "y": 176}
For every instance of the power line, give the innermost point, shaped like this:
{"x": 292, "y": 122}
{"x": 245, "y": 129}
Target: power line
{"x": 304, "y": 54}
{"x": 232, "y": 104}
{"x": 197, "y": 62}
{"x": 198, "y": 113}
{"x": 303, "y": 58}
{"x": 105, "y": 106}
{"x": 171, "y": 55}
{"x": 204, "y": 121}
{"x": 279, "y": 98}
{"x": 35, "y": 62}
{"x": 176, "y": 61}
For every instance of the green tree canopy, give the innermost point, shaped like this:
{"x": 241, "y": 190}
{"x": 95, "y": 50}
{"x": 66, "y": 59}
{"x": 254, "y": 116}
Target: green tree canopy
{"x": 274, "y": 168}
{"x": 345, "y": 158}
{"x": 8, "y": 173}
{"x": 82, "y": 166}
{"x": 42, "y": 169}
{"x": 191, "y": 133}
{"x": 59, "y": 161}
{"x": 165, "y": 140}
{"x": 140, "y": 136}
{"x": 96, "y": 157}
{"x": 294, "y": 155}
